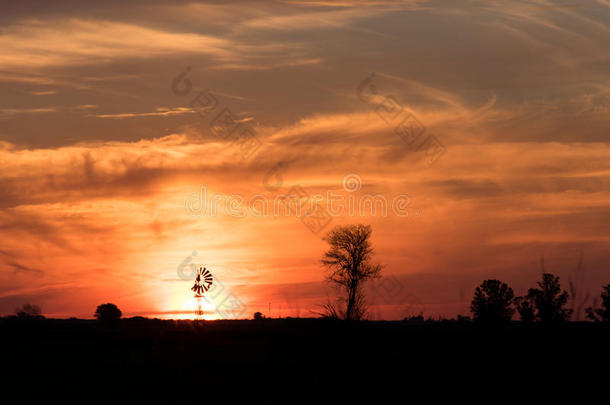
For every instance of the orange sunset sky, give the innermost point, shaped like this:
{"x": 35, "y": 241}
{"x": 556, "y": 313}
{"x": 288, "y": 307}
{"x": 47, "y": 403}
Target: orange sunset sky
{"x": 109, "y": 161}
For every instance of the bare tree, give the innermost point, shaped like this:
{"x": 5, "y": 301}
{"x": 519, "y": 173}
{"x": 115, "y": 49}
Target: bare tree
{"x": 349, "y": 261}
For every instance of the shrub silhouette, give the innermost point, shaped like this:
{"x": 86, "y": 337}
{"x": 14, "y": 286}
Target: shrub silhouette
{"x": 331, "y": 311}
{"x": 108, "y": 313}
{"x": 601, "y": 314}
{"x": 29, "y": 311}
{"x": 418, "y": 319}
{"x": 549, "y": 300}
{"x": 349, "y": 260}
{"x": 258, "y": 315}
{"x": 492, "y": 303}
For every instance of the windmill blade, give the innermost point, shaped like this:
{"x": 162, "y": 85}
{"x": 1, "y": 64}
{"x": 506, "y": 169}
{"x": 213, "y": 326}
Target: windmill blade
{"x": 203, "y": 282}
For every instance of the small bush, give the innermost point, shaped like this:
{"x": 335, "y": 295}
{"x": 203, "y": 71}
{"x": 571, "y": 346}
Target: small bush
{"x": 29, "y": 311}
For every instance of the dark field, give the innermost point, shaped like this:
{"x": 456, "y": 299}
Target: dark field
{"x": 269, "y": 356}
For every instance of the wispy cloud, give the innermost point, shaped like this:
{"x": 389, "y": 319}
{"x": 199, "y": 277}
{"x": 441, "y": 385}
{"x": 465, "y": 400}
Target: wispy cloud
{"x": 159, "y": 112}
{"x": 310, "y": 20}
{"x": 43, "y": 92}
{"x": 32, "y": 44}
{"x": 14, "y": 111}
{"x": 8, "y": 112}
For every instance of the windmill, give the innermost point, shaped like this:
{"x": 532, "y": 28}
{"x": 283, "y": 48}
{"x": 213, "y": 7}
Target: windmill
{"x": 203, "y": 282}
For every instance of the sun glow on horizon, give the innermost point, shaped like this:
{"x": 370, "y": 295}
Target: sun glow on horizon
{"x": 183, "y": 306}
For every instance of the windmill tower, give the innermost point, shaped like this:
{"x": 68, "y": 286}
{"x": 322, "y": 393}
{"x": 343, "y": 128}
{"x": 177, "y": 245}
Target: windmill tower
{"x": 203, "y": 282}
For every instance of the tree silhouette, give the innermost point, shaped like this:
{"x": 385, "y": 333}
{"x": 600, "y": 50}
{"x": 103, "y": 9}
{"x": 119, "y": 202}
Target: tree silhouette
{"x": 29, "y": 311}
{"x": 601, "y": 314}
{"x": 108, "y": 313}
{"x": 549, "y": 300}
{"x": 492, "y": 303}
{"x": 259, "y": 316}
{"x": 349, "y": 261}
{"x": 525, "y": 307}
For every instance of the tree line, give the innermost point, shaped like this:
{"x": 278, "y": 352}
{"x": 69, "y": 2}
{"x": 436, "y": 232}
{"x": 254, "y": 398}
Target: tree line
{"x": 495, "y": 302}
{"x": 349, "y": 262}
